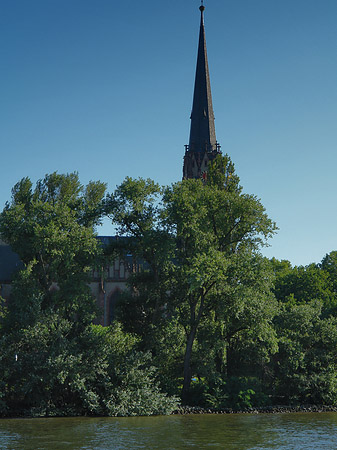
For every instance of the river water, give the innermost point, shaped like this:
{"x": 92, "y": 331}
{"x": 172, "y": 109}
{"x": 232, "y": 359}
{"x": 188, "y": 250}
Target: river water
{"x": 238, "y": 432}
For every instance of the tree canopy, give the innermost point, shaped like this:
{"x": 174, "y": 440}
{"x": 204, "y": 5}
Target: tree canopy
{"x": 53, "y": 360}
{"x": 204, "y": 240}
{"x": 205, "y": 317}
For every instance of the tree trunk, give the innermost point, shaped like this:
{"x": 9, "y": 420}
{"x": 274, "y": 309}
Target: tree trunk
{"x": 156, "y": 311}
{"x": 219, "y": 361}
{"x": 230, "y": 359}
{"x": 194, "y": 322}
{"x": 187, "y": 366}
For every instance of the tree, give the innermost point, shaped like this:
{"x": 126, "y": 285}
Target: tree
{"x": 198, "y": 240}
{"x": 218, "y": 231}
{"x": 305, "y": 366}
{"x": 329, "y": 266}
{"x": 51, "y": 228}
{"x": 53, "y": 361}
{"x": 302, "y": 284}
{"x": 135, "y": 210}
{"x": 47, "y": 371}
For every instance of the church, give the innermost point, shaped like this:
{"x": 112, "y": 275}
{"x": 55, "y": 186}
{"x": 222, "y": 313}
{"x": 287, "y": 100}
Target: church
{"x": 201, "y": 149}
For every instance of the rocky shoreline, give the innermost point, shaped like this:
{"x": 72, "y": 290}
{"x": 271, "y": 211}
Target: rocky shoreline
{"x": 278, "y": 409}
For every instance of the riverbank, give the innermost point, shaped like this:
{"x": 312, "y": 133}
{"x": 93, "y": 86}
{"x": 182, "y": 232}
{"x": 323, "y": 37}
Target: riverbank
{"x": 279, "y": 409}
{"x": 189, "y": 410}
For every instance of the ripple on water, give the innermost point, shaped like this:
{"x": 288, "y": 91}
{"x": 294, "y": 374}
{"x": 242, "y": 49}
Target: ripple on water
{"x": 230, "y": 432}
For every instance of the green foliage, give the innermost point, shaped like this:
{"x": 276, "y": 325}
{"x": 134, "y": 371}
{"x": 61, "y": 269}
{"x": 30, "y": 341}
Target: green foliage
{"x": 133, "y": 385}
{"x": 304, "y": 368}
{"x": 236, "y": 393}
{"x": 53, "y": 361}
{"x": 49, "y": 369}
{"x": 134, "y": 392}
{"x": 306, "y": 364}
{"x": 51, "y": 229}
{"x": 329, "y": 266}
{"x": 205, "y": 314}
{"x": 133, "y": 206}
{"x": 221, "y": 173}
{"x": 135, "y": 210}
{"x": 165, "y": 339}
{"x": 217, "y": 266}
{"x": 3, "y": 310}
{"x": 304, "y": 284}
{"x": 200, "y": 242}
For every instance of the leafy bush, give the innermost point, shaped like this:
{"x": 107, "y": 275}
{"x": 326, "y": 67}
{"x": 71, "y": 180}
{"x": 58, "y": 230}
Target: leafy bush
{"x": 221, "y": 392}
{"x": 306, "y": 365}
{"x": 135, "y": 392}
{"x": 49, "y": 370}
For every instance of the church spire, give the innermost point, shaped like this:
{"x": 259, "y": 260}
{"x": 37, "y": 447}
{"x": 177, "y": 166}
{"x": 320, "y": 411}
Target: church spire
{"x": 202, "y": 144}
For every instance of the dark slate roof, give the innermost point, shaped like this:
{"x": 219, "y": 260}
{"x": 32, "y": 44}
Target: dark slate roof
{"x": 9, "y": 263}
{"x": 108, "y": 240}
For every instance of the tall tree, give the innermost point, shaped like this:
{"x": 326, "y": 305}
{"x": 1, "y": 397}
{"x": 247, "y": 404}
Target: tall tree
{"x": 203, "y": 239}
{"x": 46, "y": 344}
{"x": 136, "y": 210}
{"x": 305, "y": 366}
{"x": 219, "y": 231}
{"x": 51, "y": 228}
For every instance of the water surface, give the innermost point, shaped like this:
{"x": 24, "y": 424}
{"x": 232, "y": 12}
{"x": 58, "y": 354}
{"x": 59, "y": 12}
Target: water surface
{"x": 238, "y": 432}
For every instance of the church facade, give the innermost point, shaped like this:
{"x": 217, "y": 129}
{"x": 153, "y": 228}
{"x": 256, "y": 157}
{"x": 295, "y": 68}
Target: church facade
{"x": 107, "y": 283}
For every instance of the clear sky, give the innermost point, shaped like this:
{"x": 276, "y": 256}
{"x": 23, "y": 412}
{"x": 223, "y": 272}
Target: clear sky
{"x": 105, "y": 88}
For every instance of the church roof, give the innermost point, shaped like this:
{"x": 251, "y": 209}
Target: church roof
{"x": 202, "y": 134}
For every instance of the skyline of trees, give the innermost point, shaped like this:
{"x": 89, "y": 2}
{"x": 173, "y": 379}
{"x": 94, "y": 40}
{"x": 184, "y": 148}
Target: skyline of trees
{"x": 207, "y": 319}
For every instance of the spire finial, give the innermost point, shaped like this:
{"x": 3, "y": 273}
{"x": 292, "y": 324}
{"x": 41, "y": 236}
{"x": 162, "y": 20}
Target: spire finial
{"x": 202, "y": 8}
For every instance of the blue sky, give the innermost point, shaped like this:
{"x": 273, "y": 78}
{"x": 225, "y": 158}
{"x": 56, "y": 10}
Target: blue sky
{"x": 105, "y": 88}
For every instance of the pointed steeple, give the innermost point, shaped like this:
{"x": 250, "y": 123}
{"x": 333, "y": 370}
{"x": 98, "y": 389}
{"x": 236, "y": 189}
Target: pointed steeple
{"x": 202, "y": 145}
